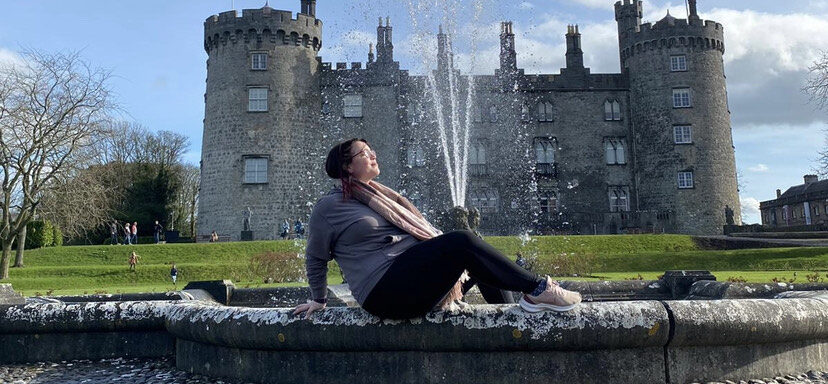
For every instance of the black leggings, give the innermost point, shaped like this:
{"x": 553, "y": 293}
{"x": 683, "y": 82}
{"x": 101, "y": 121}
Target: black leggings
{"x": 420, "y": 277}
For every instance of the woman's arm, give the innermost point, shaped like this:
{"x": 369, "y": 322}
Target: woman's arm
{"x": 317, "y": 256}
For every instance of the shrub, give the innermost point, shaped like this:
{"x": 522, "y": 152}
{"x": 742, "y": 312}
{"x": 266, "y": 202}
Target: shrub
{"x": 57, "y": 236}
{"x": 39, "y": 234}
{"x": 736, "y": 279}
{"x": 277, "y": 267}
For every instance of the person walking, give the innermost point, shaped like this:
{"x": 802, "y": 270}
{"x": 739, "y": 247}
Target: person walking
{"x": 158, "y": 230}
{"x": 174, "y": 274}
{"x": 298, "y": 229}
{"x": 135, "y": 232}
{"x": 113, "y": 231}
{"x": 398, "y": 265}
{"x": 133, "y": 261}
{"x": 127, "y": 233}
{"x": 285, "y": 229}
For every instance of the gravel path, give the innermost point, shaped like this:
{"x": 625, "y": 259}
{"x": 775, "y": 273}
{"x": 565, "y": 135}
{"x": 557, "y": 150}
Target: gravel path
{"x": 152, "y": 371}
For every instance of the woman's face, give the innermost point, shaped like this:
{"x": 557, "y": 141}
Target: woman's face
{"x": 363, "y": 164}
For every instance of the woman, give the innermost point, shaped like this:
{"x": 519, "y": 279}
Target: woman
{"x": 399, "y": 266}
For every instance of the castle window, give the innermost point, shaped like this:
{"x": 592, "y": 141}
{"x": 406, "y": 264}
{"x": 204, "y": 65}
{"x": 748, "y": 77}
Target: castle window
{"x": 258, "y": 61}
{"x": 678, "y": 63}
{"x": 545, "y": 150}
{"x": 352, "y": 106}
{"x": 615, "y": 148}
{"x": 493, "y": 114}
{"x": 477, "y": 114}
{"x": 416, "y": 156}
{"x": 681, "y": 98}
{"x": 326, "y": 108}
{"x": 257, "y": 99}
{"x": 612, "y": 110}
{"x": 484, "y": 200}
{"x": 619, "y": 198}
{"x": 477, "y": 159}
{"x": 545, "y": 111}
{"x": 525, "y": 115}
{"x": 548, "y": 203}
{"x": 685, "y": 179}
{"x": 255, "y": 170}
{"x": 682, "y": 134}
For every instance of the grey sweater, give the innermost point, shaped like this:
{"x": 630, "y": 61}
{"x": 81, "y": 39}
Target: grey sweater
{"x": 361, "y": 241}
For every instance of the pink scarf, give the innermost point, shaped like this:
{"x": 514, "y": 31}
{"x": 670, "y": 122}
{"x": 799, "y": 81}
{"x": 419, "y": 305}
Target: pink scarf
{"x": 399, "y": 211}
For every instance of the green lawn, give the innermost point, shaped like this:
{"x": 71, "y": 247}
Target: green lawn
{"x": 103, "y": 269}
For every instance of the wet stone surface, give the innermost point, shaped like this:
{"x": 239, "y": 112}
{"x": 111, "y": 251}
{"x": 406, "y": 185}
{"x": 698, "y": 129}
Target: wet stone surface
{"x": 811, "y": 377}
{"x": 147, "y": 371}
{"x": 137, "y": 371}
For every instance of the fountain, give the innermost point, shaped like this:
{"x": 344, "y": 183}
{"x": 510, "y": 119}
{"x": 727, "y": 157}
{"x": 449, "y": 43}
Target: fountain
{"x": 634, "y": 331}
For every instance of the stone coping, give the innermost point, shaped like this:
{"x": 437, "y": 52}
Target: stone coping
{"x": 481, "y": 327}
{"x": 79, "y": 317}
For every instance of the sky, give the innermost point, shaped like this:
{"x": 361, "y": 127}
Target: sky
{"x": 154, "y": 50}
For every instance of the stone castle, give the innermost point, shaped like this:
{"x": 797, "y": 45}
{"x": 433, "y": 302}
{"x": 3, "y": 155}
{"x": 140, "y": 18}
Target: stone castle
{"x": 648, "y": 149}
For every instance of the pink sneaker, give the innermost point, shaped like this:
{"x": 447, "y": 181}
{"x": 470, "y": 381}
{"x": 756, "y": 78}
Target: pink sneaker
{"x": 553, "y": 298}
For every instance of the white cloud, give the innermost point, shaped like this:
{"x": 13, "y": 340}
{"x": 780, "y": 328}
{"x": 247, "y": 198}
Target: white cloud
{"x": 600, "y": 4}
{"x": 750, "y": 210}
{"x": 8, "y": 57}
{"x": 759, "y": 168}
{"x": 526, "y": 5}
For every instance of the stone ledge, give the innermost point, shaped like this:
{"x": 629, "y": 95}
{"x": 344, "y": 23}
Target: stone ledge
{"x": 590, "y": 326}
{"x": 83, "y": 317}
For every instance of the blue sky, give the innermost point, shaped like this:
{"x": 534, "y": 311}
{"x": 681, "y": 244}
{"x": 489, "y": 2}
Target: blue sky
{"x": 154, "y": 49}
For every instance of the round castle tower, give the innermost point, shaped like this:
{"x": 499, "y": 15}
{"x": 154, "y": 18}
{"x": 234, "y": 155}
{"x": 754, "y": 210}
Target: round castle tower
{"x": 261, "y": 103}
{"x": 680, "y": 121}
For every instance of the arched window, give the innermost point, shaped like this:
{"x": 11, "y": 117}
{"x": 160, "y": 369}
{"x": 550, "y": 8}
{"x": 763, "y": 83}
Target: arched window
{"x": 416, "y": 156}
{"x": 619, "y": 198}
{"x": 545, "y": 111}
{"x": 493, "y": 114}
{"x": 612, "y": 110}
{"x": 545, "y": 150}
{"x": 615, "y": 149}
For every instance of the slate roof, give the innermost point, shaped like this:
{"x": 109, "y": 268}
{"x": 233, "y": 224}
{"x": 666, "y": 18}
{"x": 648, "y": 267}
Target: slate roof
{"x": 801, "y": 193}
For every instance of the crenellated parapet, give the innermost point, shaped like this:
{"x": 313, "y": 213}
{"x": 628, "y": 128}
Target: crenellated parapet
{"x": 674, "y": 33}
{"x": 262, "y": 25}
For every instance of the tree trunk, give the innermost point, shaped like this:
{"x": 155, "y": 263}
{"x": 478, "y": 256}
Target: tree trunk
{"x": 4, "y": 261}
{"x": 21, "y": 246}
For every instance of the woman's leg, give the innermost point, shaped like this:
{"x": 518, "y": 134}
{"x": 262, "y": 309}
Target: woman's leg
{"x": 421, "y": 276}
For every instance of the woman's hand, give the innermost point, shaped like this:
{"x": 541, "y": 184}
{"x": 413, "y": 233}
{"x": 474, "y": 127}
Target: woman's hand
{"x": 309, "y": 308}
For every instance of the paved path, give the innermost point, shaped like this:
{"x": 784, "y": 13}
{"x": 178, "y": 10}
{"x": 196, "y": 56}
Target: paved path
{"x": 162, "y": 371}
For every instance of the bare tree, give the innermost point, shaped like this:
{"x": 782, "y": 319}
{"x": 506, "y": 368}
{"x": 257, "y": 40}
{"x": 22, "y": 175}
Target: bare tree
{"x": 51, "y": 106}
{"x": 185, "y": 207}
{"x": 817, "y": 84}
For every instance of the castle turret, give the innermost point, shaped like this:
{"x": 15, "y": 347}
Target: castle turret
{"x": 680, "y": 122}
{"x": 261, "y": 103}
{"x": 628, "y": 16}
{"x": 309, "y": 7}
{"x": 508, "y": 55}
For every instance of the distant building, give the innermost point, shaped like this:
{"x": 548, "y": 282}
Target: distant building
{"x": 646, "y": 149}
{"x": 804, "y": 204}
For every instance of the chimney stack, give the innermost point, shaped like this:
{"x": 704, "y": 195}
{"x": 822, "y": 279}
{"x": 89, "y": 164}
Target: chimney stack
{"x": 811, "y": 179}
{"x": 778, "y": 193}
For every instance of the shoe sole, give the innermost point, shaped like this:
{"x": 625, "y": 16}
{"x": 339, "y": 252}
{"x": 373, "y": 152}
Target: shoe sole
{"x": 534, "y": 308}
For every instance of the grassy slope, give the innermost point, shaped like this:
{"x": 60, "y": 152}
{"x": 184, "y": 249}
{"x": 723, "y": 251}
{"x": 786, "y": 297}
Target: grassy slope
{"x": 89, "y": 269}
